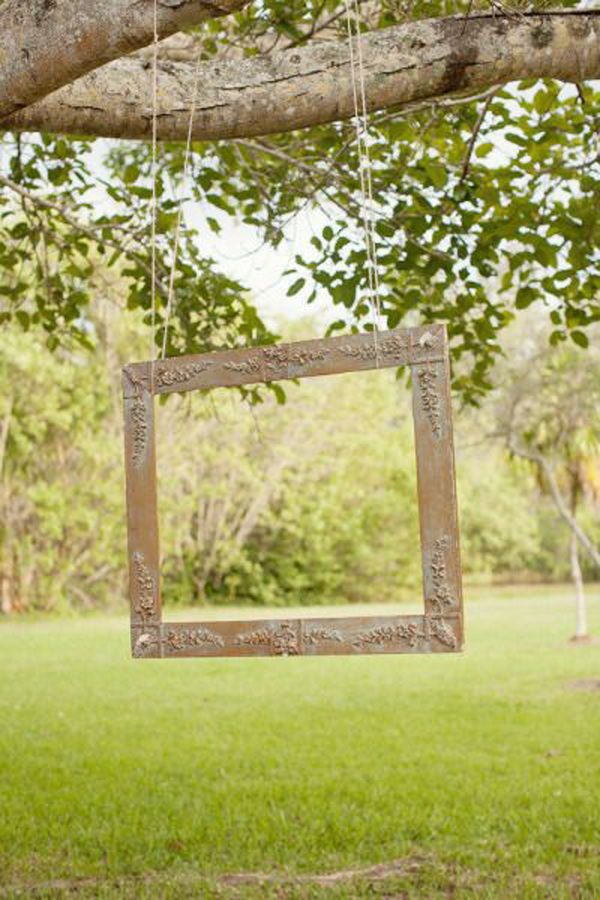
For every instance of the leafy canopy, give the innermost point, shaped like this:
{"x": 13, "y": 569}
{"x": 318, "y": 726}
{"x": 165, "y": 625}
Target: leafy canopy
{"x": 485, "y": 205}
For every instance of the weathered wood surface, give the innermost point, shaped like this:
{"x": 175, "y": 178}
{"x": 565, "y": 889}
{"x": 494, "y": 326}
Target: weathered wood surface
{"x": 299, "y": 637}
{"x": 303, "y": 359}
{"x": 46, "y": 45}
{"x": 142, "y": 510}
{"x": 414, "y": 62}
{"x": 439, "y": 630}
{"x": 436, "y": 488}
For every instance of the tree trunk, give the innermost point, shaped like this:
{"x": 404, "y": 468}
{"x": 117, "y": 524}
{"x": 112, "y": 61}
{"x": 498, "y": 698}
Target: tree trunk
{"x": 581, "y": 628}
{"x": 8, "y": 582}
{"x": 6, "y": 604}
{"x": 312, "y": 85}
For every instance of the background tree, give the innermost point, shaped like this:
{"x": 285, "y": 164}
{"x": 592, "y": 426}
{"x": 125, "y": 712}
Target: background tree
{"x": 548, "y": 415}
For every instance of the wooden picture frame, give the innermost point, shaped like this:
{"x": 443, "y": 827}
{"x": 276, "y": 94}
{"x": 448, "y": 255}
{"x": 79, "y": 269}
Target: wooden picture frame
{"x": 438, "y": 630}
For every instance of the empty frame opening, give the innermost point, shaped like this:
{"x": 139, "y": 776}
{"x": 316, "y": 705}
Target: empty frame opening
{"x": 307, "y": 497}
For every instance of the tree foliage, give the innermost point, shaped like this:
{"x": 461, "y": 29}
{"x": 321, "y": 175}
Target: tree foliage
{"x": 499, "y": 189}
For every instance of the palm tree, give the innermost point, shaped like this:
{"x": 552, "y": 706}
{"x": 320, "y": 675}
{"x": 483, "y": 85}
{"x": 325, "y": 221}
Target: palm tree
{"x": 549, "y": 415}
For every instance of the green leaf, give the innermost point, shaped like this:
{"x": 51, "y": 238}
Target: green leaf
{"x": 543, "y": 101}
{"x": 517, "y": 139}
{"x": 484, "y": 149}
{"x": 131, "y": 173}
{"x": 525, "y": 297}
{"x": 580, "y": 338}
{"x": 278, "y": 391}
{"x": 438, "y": 174}
{"x": 296, "y": 287}
{"x": 22, "y": 318}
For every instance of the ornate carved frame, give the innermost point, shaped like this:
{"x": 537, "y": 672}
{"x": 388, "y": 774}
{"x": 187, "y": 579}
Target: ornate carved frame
{"x": 438, "y": 630}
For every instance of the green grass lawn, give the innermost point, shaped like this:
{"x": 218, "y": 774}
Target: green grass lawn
{"x": 477, "y": 775}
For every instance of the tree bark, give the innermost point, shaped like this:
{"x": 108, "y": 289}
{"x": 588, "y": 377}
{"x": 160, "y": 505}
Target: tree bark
{"x": 581, "y": 628}
{"x": 45, "y": 45}
{"x": 4, "y": 431}
{"x": 311, "y": 85}
{"x": 6, "y": 604}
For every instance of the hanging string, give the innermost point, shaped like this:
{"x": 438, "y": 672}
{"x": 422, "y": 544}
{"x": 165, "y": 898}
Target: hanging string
{"x": 154, "y": 167}
{"x": 186, "y": 163}
{"x": 361, "y": 156}
{"x": 369, "y": 179}
{"x": 154, "y": 203}
{"x": 366, "y": 184}
{"x": 362, "y": 137}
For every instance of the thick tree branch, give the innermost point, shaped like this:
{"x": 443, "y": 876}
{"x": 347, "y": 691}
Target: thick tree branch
{"x": 45, "y": 45}
{"x": 311, "y": 85}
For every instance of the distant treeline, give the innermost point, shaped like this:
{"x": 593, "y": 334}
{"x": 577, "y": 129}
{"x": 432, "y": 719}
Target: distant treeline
{"x": 307, "y": 502}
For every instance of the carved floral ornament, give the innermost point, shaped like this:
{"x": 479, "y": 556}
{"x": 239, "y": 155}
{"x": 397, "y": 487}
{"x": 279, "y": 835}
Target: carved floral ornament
{"x": 400, "y": 347}
{"x": 430, "y": 398}
{"x": 178, "y": 374}
{"x": 439, "y": 629}
{"x": 283, "y": 640}
{"x": 140, "y": 430}
{"x": 193, "y": 637}
{"x": 145, "y": 602}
